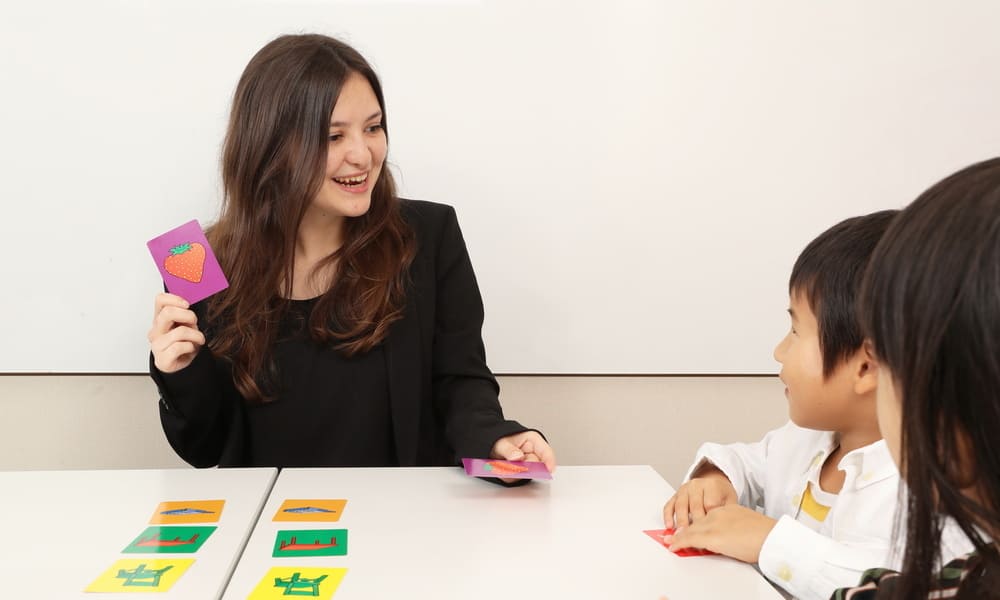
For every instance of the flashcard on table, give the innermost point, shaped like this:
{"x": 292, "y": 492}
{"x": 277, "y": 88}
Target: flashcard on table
{"x": 186, "y": 262}
{"x": 141, "y": 575}
{"x": 187, "y": 511}
{"x": 282, "y": 582}
{"x": 657, "y": 534}
{"x": 507, "y": 469}
{"x": 169, "y": 540}
{"x": 310, "y": 542}
{"x": 310, "y": 510}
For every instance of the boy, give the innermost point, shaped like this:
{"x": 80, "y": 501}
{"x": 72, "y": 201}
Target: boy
{"x": 825, "y": 481}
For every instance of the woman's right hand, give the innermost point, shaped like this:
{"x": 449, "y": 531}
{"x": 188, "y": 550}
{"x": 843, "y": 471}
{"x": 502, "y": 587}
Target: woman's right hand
{"x": 174, "y": 337}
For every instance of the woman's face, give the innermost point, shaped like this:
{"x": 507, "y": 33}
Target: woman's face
{"x": 357, "y": 149}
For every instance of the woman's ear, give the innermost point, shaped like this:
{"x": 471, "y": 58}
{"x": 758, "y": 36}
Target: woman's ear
{"x": 865, "y": 370}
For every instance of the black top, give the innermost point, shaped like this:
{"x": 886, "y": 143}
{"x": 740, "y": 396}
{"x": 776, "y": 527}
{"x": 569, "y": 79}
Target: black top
{"x": 442, "y": 399}
{"x": 325, "y": 401}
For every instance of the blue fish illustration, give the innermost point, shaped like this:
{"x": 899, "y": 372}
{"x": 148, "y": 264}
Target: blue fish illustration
{"x": 187, "y": 511}
{"x": 308, "y": 509}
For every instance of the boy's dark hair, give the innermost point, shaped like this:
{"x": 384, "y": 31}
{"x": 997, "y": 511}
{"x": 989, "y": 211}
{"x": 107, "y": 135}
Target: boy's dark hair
{"x": 828, "y": 275}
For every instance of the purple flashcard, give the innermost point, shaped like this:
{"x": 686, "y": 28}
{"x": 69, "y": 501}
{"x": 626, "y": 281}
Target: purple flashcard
{"x": 506, "y": 469}
{"x": 187, "y": 263}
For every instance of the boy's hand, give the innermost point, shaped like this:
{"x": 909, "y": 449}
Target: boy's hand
{"x": 710, "y": 489}
{"x": 732, "y": 530}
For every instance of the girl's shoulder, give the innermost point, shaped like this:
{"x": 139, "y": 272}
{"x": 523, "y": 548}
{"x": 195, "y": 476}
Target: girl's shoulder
{"x": 878, "y": 583}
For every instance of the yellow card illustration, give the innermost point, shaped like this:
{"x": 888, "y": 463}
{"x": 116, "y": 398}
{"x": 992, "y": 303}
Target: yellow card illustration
{"x": 282, "y": 582}
{"x": 187, "y": 511}
{"x": 137, "y": 575}
{"x": 310, "y": 510}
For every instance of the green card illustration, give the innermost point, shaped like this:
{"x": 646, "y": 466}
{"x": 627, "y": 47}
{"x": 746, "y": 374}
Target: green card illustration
{"x": 310, "y": 542}
{"x": 169, "y": 540}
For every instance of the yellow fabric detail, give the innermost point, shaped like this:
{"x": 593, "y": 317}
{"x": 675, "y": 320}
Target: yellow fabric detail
{"x": 811, "y": 507}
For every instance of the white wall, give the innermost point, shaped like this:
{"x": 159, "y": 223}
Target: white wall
{"x": 111, "y": 422}
{"x": 635, "y": 177}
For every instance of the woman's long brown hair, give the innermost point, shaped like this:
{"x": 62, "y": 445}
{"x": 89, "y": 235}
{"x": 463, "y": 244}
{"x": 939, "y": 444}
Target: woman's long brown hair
{"x": 273, "y": 164}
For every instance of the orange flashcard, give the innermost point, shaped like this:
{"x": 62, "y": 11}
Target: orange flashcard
{"x": 187, "y": 511}
{"x": 310, "y": 510}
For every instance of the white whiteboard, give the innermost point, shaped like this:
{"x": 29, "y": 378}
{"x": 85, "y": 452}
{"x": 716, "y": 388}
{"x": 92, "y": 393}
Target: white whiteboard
{"x": 634, "y": 179}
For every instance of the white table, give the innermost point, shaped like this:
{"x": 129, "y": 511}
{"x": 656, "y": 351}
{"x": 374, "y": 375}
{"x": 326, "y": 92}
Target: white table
{"x": 62, "y": 529}
{"x": 436, "y": 533}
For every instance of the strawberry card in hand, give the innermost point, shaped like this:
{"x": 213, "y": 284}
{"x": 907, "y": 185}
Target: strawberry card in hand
{"x": 505, "y": 469}
{"x": 657, "y": 534}
{"x": 187, "y": 263}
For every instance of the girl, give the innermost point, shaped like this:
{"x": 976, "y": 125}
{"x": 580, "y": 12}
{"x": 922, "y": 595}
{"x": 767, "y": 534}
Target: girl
{"x": 930, "y": 306}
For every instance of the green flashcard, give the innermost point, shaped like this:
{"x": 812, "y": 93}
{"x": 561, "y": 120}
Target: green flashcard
{"x": 169, "y": 540}
{"x": 310, "y": 542}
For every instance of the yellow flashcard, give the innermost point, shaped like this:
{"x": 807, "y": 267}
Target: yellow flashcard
{"x": 313, "y": 582}
{"x": 138, "y": 575}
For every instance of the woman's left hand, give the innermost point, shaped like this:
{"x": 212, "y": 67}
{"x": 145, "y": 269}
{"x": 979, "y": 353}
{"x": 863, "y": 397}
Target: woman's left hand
{"x": 527, "y": 445}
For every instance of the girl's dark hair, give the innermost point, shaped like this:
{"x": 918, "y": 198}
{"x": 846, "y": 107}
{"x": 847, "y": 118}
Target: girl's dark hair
{"x": 930, "y": 304}
{"x": 273, "y": 165}
{"x": 828, "y": 274}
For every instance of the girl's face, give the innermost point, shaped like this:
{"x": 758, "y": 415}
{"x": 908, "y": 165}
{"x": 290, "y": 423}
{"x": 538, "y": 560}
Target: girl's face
{"x": 357, "y": 149}
{"x": 888, "y": 406}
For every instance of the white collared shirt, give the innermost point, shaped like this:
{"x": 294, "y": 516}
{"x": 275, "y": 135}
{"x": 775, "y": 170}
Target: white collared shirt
{"x": 772, "y": 474}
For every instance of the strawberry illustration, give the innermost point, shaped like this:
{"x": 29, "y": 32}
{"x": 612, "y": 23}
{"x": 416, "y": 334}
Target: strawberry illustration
{"x": 504, "y": 468}
{"x": 186, "y": 261}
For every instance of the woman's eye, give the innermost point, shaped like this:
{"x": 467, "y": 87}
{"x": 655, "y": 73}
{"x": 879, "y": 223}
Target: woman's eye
{"x": 335, "y": 136}
{"x": 374, "y": 128}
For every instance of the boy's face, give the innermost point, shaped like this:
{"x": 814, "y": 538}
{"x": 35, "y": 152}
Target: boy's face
{"x": 814, "y": 402}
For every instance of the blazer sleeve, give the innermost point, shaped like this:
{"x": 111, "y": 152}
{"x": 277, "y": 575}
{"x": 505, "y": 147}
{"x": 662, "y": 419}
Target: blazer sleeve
{"x": 465, "y": 392}
{"x": 196, "y": 408}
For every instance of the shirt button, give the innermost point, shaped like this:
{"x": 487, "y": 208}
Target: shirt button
{"x": 796, "y": 500}
{"x": 784, "y": 573}
{"x": 867, "y": 476}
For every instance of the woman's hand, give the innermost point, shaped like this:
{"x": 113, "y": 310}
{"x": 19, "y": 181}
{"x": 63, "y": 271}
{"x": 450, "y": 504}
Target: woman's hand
{"x": 174, "y": 337}
{"x": 527, "y": 445}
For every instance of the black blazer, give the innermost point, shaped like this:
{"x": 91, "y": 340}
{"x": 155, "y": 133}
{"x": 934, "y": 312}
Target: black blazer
{"x": 443, "y": 397}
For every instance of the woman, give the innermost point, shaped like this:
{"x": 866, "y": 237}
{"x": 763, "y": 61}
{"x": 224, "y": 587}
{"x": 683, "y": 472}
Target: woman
{"x": 350, "y": 334}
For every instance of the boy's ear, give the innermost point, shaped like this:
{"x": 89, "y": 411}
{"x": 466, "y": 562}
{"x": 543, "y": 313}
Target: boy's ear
{"x": 865, "y": 370}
